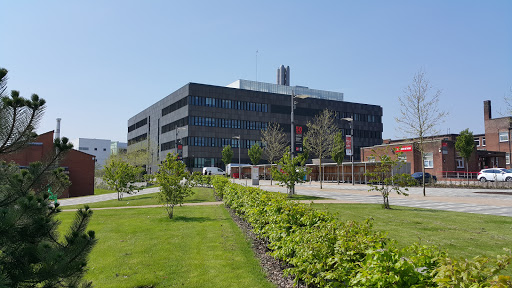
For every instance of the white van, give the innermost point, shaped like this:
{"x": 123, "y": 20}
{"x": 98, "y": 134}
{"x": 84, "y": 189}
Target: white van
{"x": 213, "y": 171}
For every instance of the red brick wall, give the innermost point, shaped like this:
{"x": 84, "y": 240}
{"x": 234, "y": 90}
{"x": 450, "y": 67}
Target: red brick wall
{"x": 81, "y": 165}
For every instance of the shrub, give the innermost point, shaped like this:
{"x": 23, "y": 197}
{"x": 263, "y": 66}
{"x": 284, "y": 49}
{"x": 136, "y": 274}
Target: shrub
{"x": 324, "y": 252}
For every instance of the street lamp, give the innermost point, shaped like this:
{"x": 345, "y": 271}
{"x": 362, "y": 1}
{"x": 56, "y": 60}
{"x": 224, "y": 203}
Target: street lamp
{"x": 351, "y": 120}
{"x": 239, "y": 165}
{"x": 292, "y": 128}
{"x": 176, "y": 128}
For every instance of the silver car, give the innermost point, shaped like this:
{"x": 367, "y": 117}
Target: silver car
{"x": 495, "y": 174}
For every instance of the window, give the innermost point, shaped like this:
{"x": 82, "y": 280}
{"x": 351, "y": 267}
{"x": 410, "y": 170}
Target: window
{"x": 504, "y": 136}
{"x": 483, "y": 141}
{"x": 83, "y": 148}
{"x": 460, "y": 163}
{"x": 507, "y": 158}
{"x": 371, "y": 158}
{"x": 477, "y": 142}
{"x": 402, "y": 157}
{"x": 95, "y": 149}
{"x": 428, "y": 160}
{"x": 104, "y": 149}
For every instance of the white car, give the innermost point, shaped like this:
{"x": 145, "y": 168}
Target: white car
{"x": 495, "y": 174}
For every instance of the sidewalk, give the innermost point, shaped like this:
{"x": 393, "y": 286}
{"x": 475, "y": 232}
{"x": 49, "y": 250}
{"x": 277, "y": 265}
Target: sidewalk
{"x": 103, "y": 197}
{"x": 450, "y": 199}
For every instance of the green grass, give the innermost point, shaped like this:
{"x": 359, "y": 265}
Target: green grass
{"x": 98, "y": 191}
{"x": 200, "y": 247}
{"x": 200, "y": 195}
{"x": 461, "y": 234}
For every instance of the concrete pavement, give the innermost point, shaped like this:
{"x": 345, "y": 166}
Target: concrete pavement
{"x": 451, "y": 199}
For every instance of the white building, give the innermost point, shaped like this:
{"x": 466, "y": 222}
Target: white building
{"x": 97, "y": 147}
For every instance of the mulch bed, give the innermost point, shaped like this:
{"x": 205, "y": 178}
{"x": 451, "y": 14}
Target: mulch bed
{"x": 273, "y": 268}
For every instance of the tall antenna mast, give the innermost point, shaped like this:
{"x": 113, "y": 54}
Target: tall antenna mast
{"x": 256, "y": 65}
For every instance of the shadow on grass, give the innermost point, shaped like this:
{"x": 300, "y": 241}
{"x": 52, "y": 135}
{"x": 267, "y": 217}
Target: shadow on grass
{"x": 191, "y": 219}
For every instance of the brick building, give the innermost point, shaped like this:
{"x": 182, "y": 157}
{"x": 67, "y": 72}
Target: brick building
{"x": 497, "y": 134}
{"x": 78, "y": 165}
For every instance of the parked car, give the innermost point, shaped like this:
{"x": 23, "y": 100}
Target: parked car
{"x": 418, "y": 176}
{"x": 495, "y": 174}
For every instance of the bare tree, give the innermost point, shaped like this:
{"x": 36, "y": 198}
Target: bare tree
{"x": 419, "y": 113}
{"x": 320, "y": 137}
{"x": 274, "y": 143}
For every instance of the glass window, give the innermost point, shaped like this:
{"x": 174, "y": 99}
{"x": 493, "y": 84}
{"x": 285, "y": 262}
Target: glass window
{"x": 483, "y": 141}
{"x": 460, "y": 163}
{"x": 477, "y": 142}
{"x": 507, "y": 158}
{"x": 402, "y": 157}
{"x": 428, "y": 160}
{"x": 504, "y": 136}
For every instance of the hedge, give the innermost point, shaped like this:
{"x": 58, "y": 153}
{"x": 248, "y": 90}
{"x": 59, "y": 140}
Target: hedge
{"x": 324, "y": 252}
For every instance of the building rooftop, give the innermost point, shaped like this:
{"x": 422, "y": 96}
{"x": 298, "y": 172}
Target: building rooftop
{"x": 288, "y": 90}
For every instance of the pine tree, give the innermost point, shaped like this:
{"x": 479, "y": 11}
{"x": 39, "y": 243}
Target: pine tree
{"x": 31, "y": 252}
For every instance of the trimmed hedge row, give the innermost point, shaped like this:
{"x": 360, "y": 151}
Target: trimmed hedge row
{"x": 324, "y": 252}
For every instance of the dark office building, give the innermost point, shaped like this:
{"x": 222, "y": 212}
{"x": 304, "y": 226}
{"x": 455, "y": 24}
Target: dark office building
{"x": 205, "y": 118}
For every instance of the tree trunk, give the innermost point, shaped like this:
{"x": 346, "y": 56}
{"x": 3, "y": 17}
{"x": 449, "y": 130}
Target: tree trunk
{"x": 423, "y": 170}
{"x": 338, "y": 174}
{"x": 171, "y": 212}
{"x": 270, "y": 173}
{"x": 320, "y": 170}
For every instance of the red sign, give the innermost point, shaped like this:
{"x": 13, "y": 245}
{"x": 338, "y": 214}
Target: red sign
{"x": 298, "y": 129}
{"x": 348, "y": 145}
{"x": 445, "y": 144}
{"x": 404, "y": 148}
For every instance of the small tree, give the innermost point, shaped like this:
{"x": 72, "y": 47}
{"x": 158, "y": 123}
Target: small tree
{"x": 419, "y": 113}
{"x": 320, "y": 137}
{"x": 173, "y": 179}
{"x": 274, "y": 143}
{"x": 227, "y": 156}
{"x": 290, "y": 171}
{"x": 338, "y": 152}
{"x": 121, "y": 176}
{"x": 255, "y": 154}
{"x": 385, "y": 181}
{"x": 465, "y": 145}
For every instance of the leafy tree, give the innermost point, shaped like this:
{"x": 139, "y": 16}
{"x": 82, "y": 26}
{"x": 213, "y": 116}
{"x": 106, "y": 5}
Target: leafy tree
{"x": 274, "y": 143}
{"x": 255, "y": 154}
{"x": 338, "y": 152}
{"x": 465, "y": 144}
{"x": 121, "y": 176}
{"x": 31, "y": 252}
{"x": 173, "y": 179}
{"x": 383, "y": 180}
{"x": 290, "y": 171}
{"x": 319, "y": 138}
{"x": 419, "y": 113}
{"x": 227, "y": 155}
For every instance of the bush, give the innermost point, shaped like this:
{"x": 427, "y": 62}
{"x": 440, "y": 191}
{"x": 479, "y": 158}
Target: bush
{"x": 323, "y": 252}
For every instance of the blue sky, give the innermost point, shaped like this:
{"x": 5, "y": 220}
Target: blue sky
{"x": 97, "y": 63}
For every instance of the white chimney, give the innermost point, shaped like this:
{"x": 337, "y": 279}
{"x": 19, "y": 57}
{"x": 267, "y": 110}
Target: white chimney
{"x": 57, "y": 131}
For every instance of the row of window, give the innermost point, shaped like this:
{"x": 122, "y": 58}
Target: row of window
{"x": 138, "y": 124}
{"x": 87, "y": 148}
{"x": 477, "y": 142}
{"x": 227, "y": 123}
{"x": 228, "y": 104}
{"x": 138, "y": 139}
{"x": 175, "y": 106}
{"x": 171, "y": 126}
{"x": 210, "y": 142}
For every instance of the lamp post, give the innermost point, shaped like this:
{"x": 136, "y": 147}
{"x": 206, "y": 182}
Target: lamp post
{"x": 176, "y": 128}
{"x": 351, "y": 120}
{"x": 292, "y": 127}
{"x": 239, "y": 165}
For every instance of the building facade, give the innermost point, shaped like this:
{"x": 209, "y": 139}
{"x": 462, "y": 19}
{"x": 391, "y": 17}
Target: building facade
{"x": 78, "y": 165}
{"x": 99, "y": 148}
{"x": 497, "y": 134}
{"x": 205, "y": 118}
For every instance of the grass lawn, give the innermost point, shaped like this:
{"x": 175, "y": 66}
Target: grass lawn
{"x": 200, "y": 247}
{"x": 200, "y": 195}
{"x": 461, "y": 234}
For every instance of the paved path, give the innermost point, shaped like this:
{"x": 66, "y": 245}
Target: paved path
{"x": 450, "y": 199}
{"x": 103, "y": 197}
